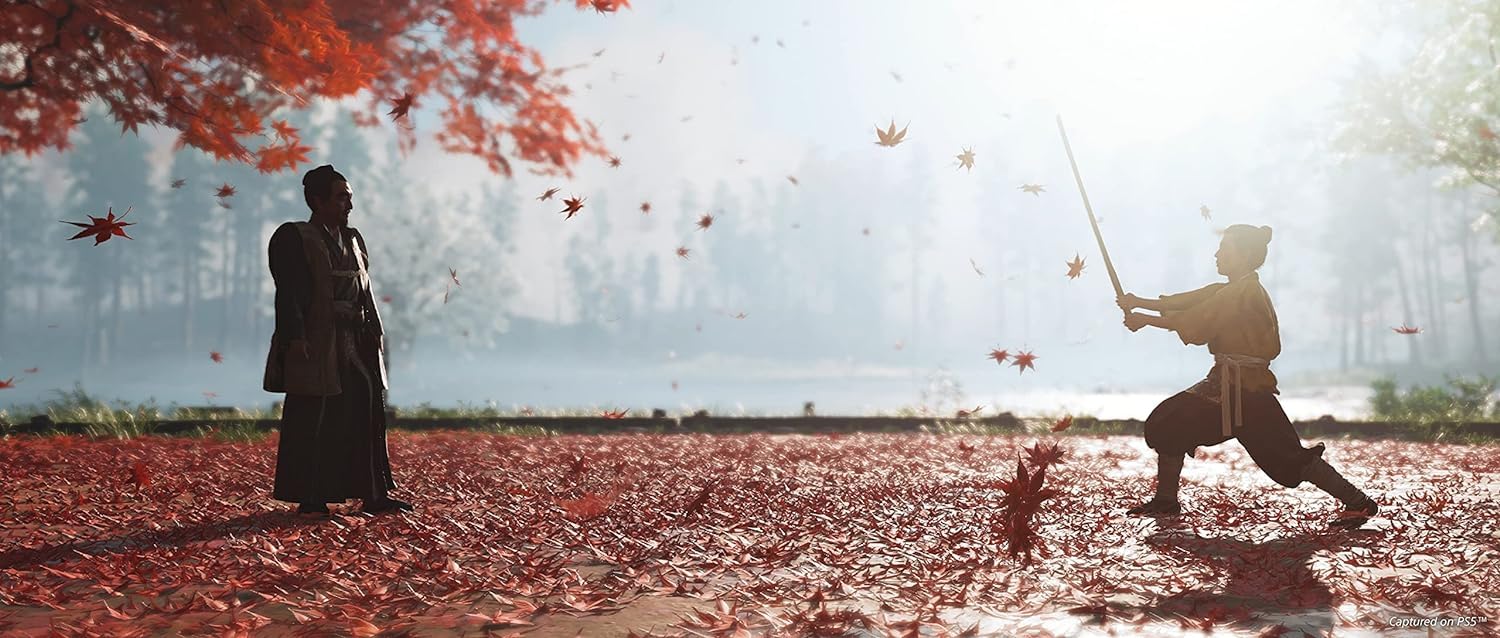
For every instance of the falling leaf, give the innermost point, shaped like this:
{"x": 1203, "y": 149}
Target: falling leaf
{"x": 705, "y": 221}
{"x": 1203, "y": 210}
{"x": 1075, "y": 267}
{"x": 976, "y": 267}
{"x": 103, "y": 228}
{"x": 608, "y": 6}
{"x": 964, "y": 414}
{"x": 682, "y": 251}
{"x": 793, "y": 180}
{"x": 140, "y": 474}
{"x": 399, "y": 106}
{"x": 453, "y": 274}
{"x": 740, "y": 316}
{"x": 966, "y": 159}
{"x": 613, "y": 414}
{"x": 1024, "y": 359}
{"x": 899, "y": 345}
{"x": 32, "y": 370}
{"x": 865, "y": 231}
{"x": 1063, "y": 423}
{"x": 1407, "y": 330}
{"x": 548, "y": 195}
{"x": 385, "y": 298}
{"x": 573, "y": 206}
{"x": 674, "y": 385}
{"x": 999, "y": 355}
{"x": 225, "y": 191}
{"x": 177, "y": 183}
{"x": 780, "y": 43}
{"x": 896, "y": 75}
{"x": 599, "y": 53}
{"x": 1034, "y": 189}
{"x": 891, "y": 137}
{"x": 217, "y": 358}
{"x": 8, "y": 383}
{"x": 661, "y": 57}
{"x": 625, "y": 137}
{"x": 645, "y": 208}
{"x": 614, "y": 162}
{"x": 210, "y": 395}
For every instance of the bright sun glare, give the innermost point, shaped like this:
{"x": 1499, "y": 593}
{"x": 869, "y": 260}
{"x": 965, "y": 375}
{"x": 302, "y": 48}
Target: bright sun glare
{"x": 1149, "y": 69}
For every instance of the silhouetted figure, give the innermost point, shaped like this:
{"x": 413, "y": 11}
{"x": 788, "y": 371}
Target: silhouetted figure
{"x": 326, "y": 355}
{"x": 1238, "y": 398}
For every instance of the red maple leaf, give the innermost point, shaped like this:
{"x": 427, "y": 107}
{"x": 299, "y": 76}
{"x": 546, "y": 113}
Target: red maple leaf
{"x": 614, "y": 162}
{"x": 1075, "y": 267}
{"x": 548, "y": 195}
{"x": 964, "y": 414}
{"x": 705, "y": 221}
{"x": 613, "y": 414}
{"x": 1407, "y": 330}
{"x": 966, "y": 447}
{"x": 453, "y": 274}
{"x": 573, "y": 206}
{"x": 999, "y": 355}
{"x": 1043, "y": 456}
{"x": 225, "y": 191}
{"x": 645, "y": 208}
{"x": 1063, "y": 423}
{"x": 284, "y": 129}
{"x": 1024, "y": 359}
{"x": 400, "y": 105}
{"x": 385, "y": 298}
{"x": 674, "y": 385}
{"x": 701, "y": 500}
{"x": 1022, "y": 498}
{"x": 607, "y": 6}
{"x": 682, "y": 251}
{"x": 276, "y": 157}
{"x": 218, "y": 358}
{"x": 140, "y": 475}
{"x": 102, "y": 228}
{"x": 8, "y": 383}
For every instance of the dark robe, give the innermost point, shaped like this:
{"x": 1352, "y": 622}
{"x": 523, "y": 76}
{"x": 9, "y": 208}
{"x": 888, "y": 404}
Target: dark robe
{"x": 332, "y": 447}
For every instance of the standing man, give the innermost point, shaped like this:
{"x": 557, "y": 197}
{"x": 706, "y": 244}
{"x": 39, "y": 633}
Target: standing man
{"x": 326, "y": 355}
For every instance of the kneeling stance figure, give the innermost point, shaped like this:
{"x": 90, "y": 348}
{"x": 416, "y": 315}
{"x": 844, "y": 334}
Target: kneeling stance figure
{"x": 1237, "y": 400}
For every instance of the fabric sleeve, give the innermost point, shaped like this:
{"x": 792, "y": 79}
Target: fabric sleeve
{"x": 1200, "y": 322}
{"x": 1185, "y": 300}
{"x": 293, "y": 282}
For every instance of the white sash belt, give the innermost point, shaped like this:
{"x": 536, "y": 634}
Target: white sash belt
{"x": 1232, "y": 364}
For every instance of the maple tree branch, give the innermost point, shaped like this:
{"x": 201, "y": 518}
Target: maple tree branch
{"x": 27, "y": 80}
{"x": 1477, "y": 178}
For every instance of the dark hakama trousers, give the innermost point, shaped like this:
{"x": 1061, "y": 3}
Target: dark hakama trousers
{"x": 1186, "y": 421}
{"x": 333, "y": 448}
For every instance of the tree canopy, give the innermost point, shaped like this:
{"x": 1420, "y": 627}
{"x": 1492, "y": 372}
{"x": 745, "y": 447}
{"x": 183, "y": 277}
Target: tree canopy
{"x": 219, "y": 72}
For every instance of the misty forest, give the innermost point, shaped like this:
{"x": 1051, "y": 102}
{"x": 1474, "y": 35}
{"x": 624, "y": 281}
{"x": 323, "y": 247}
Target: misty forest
{"x": 865, "y": 277}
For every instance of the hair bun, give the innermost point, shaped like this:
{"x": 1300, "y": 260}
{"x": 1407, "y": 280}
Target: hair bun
{"x": 1266, "y": 231}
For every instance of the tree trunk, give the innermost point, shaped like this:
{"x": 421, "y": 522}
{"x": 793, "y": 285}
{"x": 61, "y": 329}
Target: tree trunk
{"x": 1359, "y": 324}
{"x": 189, "y": 294}
{"x": 1414, "y": 352}
{"x": 1471, "y": 287}
{"x": 1346, "y": 309}
{"x": 1434, "y": 300}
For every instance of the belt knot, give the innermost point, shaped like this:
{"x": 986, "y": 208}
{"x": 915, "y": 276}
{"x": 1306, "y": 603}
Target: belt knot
{"x": 1232, "y": 364}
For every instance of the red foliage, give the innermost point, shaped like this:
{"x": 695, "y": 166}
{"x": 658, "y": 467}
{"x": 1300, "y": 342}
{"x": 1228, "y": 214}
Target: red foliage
{"x": 187, "y": 66}
{"x": 8, "y": 383}
{"x": 102, "y": 228}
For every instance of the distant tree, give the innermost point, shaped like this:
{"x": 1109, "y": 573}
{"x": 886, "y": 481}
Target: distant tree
{"x": 25, "y": 259}
{"x": 106, "y": 170}
{"x": 186, "y": 239}
{"x": 410, "y": 258}
{"x": 1436, "y": 107}
{"x": 215, "y": 73}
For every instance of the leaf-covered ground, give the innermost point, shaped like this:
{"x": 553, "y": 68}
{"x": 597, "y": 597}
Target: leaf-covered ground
{"x": 871, "y": 534}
